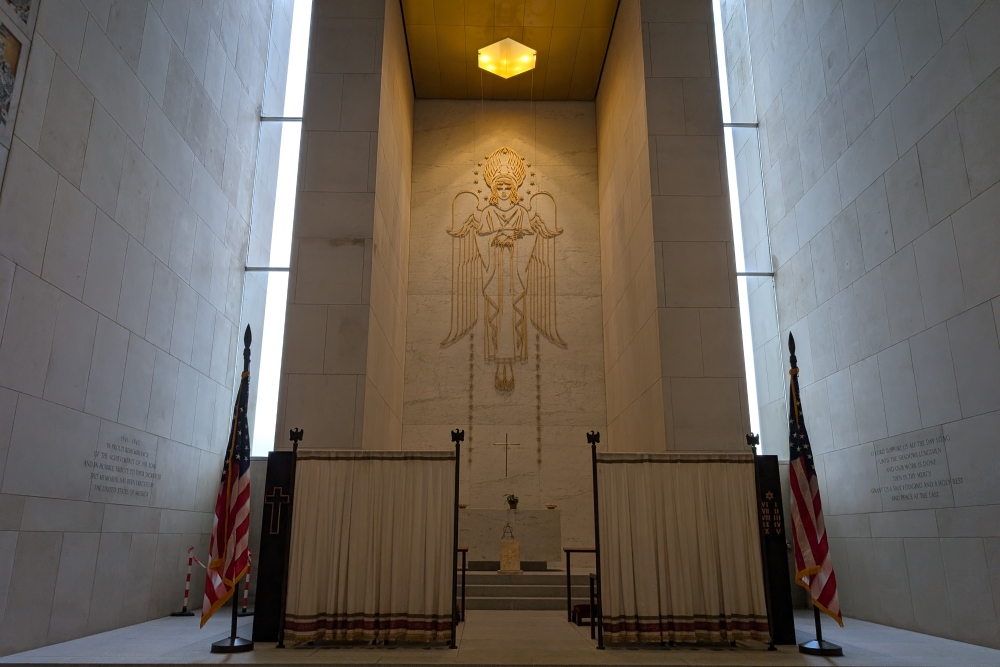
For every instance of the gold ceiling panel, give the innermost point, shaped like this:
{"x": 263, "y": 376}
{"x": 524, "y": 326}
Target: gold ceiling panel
{"x": 571, "y": 37}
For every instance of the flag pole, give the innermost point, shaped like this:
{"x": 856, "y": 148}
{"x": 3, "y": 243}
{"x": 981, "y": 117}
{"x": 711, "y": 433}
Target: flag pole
{"x": 817, "y": 646}
{"x": 234, "y": 644}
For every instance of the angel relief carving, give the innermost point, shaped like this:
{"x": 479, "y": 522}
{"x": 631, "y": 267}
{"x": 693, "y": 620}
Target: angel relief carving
{"x": 504, "y": 253}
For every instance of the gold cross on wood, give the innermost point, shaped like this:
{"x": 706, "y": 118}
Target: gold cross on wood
{"x": 505, "y": 445}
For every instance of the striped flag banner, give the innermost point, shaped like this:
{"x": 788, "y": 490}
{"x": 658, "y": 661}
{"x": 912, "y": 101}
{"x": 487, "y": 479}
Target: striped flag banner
{"x": 228, "y": 553}
{"x": 813, "y": 567}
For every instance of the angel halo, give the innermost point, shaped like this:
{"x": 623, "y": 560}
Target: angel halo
{"x": 503, "y": 253}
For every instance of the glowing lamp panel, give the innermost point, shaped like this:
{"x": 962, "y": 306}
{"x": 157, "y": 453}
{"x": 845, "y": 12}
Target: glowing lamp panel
{"x": 507, "y": 58}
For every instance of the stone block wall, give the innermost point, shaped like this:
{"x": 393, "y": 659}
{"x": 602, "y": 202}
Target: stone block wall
{"x": 880, "y": 186}
{"x": 124, "y": 219}
{"x": 346, "y": 304}
{"x": 673, "y": 349}
{"x": 628, "y": 260}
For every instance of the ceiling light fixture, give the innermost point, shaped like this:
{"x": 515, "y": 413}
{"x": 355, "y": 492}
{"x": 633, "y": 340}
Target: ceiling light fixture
{"x": 507, "y": 58}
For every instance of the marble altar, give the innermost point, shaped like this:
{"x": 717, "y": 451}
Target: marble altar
{"x": 538, "y": 532}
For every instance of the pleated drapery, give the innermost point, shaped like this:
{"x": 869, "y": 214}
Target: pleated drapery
{"x": 680, "y": 548}
{"x": 372, "y": 546}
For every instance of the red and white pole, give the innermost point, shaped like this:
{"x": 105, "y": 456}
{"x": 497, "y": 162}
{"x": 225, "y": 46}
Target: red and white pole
{"x": 246, "y": 586}
{"x": 187, "y": 587}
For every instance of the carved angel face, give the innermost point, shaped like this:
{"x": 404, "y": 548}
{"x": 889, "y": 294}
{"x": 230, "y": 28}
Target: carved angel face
{"x": 504, "y": 191}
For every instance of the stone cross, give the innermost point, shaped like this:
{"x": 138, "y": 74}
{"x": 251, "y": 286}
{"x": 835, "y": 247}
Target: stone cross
{"x": 505, "y": 445}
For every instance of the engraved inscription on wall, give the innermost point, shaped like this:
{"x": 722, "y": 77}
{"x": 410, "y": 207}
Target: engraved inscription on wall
{"x": 913, "y": 471}
{"x": 123, "y": 466}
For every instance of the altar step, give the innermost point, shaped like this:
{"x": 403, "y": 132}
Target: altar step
{"x": 529, "y": 591}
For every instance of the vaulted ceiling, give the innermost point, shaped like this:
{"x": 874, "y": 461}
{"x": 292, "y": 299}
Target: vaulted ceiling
{"x": 571, "y": 37}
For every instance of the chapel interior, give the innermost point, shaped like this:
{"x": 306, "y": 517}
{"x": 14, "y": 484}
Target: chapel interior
{"x": 521, "y": 220}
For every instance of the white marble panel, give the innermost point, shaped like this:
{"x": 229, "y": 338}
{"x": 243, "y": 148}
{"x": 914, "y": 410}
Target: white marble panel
{"x": 974, "y": 459}
{"x": 980, "y": 137}
{"x": 109, "y": 582}
{"x": 107, "y": 369}
{"x": 74, "y": 584}
{"x": 843, "y": 415}
{"x": 182, "y": 426}
{"x": 67, "y": 250}
{"x": 35, "y": 93}
{"x": 934, "y": 372}
{"x": 113, "y": 82}
{"x": 72, "y": 348}
{"x": 137, "y": 285}
{"x": 932, "y": 610}
{"x": 904, "y": 523}
{"x": 105, "y": 266}
{"x": 138, "y": 578}
{"x": 130, "y": 519}
{"x": 66, "y": 127}
{"x": 167, "y": 150}
{"x": 49, "y": 448}
{"x": 876, "y": 228}
{"x": 867, "y": 158}
{"x": 102, "y": 166}
{"x": 942, "y": 164}
{"x": 28, "y": 332}
{"x": 137, "y": 383}
{"x": 892, "y": 582}
{"x": 971, "y": 602}
{"x": 977, "y": 238}
{"x": 885, "y": 65}
{"x": 185, "y": 319}
{"x": 856, "y": 98}
{"x": 976, "y": 356}
{"x": 162, "y": 394}
{"x": 899, "y": 390}
{"x": 983, "y": 50}
{"x": 26, "y": 207}
{"x": 936, "y": 89}
{"x": 851, "y": 475}
{"x": 907, "y": 207}
{"x": 29, "y": 597}
{"x": 939, "y": 273}
{"x": 153, "y": 56}
{"x": 868, "y": 404}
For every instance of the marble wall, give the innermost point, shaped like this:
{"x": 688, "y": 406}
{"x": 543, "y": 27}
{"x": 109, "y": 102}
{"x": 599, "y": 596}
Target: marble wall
{"x": 342, "y": 376}
{"x": 635, "y": 394}
{"x": 673, "y": 348}
{"x": 876, "y": 203}
{"x": 124, "y": 219}
{"x": 559, "y": 390}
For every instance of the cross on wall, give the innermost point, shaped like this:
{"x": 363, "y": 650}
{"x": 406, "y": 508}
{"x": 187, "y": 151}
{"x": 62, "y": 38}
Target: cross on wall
{"x": 505, "y": 444}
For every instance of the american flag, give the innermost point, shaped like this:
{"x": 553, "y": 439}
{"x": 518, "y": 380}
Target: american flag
{"x": 813, "y": 568}
{"x": 229, "y": 556}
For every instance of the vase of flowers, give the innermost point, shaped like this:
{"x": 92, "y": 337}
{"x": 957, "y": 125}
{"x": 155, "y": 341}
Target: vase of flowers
{"x": 512, "y": 501}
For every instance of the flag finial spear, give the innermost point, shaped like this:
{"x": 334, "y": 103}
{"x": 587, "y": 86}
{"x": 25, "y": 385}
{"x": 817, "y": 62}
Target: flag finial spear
{"x": 247, "y": 337}
{"x": 791, "y": 351}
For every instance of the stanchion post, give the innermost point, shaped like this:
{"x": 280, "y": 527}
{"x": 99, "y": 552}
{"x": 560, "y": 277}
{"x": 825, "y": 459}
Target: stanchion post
{"x": 593, "y": 438}
{"x": 295, "y": 435}
{"x": 457, "y": 437}
{"x": 187, "y": 587}
{"x": 246, "y": 590}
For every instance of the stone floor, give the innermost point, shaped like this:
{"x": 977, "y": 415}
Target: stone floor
{"x": 502, "y": 638}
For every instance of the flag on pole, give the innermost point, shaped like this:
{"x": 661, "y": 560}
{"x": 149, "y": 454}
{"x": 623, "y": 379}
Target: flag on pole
{"x": 228, "y": 552}
{"x": 813, "y": 568}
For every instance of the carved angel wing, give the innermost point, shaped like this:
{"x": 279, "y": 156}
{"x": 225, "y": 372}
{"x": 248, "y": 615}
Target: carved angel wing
{"x": 542, "y": 267}
{"x": 466, "y": 265}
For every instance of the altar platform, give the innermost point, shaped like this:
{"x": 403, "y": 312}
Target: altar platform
{"x": 502, "y": 638}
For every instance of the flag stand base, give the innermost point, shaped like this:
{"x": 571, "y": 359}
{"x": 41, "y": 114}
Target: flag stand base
{"x": 243, "y": 614}
{"x": 182, "y": 613}
{"x": 820, "y": 647}
{"x": 232, "y": 645}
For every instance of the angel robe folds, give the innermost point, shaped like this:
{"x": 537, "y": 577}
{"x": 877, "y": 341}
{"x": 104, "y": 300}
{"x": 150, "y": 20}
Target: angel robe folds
{"x": 507, "y": 255}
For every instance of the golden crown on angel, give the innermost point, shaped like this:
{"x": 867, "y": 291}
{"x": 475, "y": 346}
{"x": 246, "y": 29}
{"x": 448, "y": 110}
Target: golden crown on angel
{"x": 503, "y": 254}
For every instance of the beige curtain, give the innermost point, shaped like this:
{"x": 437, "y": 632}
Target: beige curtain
{"x": 372, "y": 546}
{"x": 680, "y": 551}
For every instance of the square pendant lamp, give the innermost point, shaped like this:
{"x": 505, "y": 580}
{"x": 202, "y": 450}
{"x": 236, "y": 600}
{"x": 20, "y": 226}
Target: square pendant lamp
{"x": 507, "y": 58}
